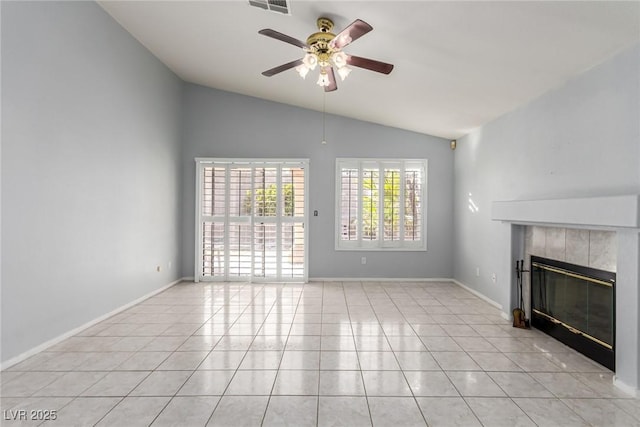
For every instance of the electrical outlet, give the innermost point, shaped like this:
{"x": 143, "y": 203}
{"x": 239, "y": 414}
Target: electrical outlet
{"x": 363, "y": 260}
{"x": 494, "y": 278}
{"x": 477, "y": 271}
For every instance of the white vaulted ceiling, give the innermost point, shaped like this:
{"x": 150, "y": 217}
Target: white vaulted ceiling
{"x": 458, "y": 65}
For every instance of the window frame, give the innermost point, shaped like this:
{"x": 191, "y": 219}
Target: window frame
{"x": 380, "y": 244}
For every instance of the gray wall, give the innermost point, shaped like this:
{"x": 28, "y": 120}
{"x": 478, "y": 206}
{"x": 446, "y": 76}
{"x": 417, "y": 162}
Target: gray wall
{"x": 222, "y": 124}
{"x": 582, "y": 139}
{"x": 90, "y": 170}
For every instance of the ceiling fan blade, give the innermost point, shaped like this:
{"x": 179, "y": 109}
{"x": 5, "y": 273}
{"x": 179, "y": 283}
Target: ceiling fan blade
{"x": 369, "y": 64}
{"x": 283, "y": 37}
{"x": 353, "y": 32}
{"x": 281, "y": 68}
{"x": 332, "y": 80}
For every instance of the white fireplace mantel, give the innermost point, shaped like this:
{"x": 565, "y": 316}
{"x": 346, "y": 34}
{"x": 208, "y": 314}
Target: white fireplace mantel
{"x": 618, "y": 213}
{"x": 608, "y": 211}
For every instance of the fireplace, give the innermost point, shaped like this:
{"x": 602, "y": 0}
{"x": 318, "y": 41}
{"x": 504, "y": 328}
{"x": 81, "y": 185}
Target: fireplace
{"x": 576, "y": 305}
{"x": 615, "y": 215}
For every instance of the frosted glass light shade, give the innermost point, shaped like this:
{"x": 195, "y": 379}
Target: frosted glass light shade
{"x": 310, "y": 61}
{"x": 340, "y": 59}
{"x": 344, "y": 72}
{"x": 323, "y": 79}
{"x": 303, "y": 70}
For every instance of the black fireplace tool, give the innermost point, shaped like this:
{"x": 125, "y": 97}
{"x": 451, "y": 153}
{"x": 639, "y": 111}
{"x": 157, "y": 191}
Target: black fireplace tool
{"x": 519, "y": 316}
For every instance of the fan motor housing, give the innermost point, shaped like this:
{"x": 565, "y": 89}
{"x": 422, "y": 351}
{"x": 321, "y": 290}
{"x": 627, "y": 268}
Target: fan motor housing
{"x": 320, "y": 37}
{"x": 319, "y": 42}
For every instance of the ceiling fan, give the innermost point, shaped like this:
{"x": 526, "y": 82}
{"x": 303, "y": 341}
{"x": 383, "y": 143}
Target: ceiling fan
{"x": 324, "y": 49}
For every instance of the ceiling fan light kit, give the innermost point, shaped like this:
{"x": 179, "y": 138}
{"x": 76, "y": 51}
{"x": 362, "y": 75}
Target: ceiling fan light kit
{"x": 323, "y": 79}
{"x": 321, "y": 52}
{"x": 324, "y": 49}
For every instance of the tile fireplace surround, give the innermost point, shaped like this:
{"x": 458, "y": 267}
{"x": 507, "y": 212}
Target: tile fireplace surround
{"x": 599, "y": 232}
{"x": 589, "y": 248}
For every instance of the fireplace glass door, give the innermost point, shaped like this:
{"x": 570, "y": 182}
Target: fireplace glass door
{"x": 575, "y": 304}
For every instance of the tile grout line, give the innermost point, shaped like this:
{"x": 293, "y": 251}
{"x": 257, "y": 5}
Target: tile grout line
{"x": 320, "y": 356}
{"x": 193, "y": 371}
{"x": 393, "y": 352}
{"x": 200, "y": 364}
{"x": 266, "y": 408}
{"x": 415, "y": 400}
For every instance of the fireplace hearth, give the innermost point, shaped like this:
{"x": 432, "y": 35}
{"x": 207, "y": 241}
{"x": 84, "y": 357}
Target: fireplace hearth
{"x": 576, "y": 305}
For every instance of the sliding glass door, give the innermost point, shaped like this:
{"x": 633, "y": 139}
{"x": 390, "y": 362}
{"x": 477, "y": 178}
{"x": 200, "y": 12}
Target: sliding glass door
{"x": 250, "y": 220}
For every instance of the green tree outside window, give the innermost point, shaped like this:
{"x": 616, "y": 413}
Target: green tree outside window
{"x": 265, "y": 201}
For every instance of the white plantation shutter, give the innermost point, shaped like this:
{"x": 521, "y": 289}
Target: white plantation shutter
{"x": 213, "y": 221}
{"x": 293, "y": 204}
{"x": 380, "y": 204}
{"x": 349, "y": 202}
{"x": 238, "y": 242}
{"x": 370, "y": 196}
{"x": 391, "y": 204}
{"x": 251, "y": 218}
{"x": 413, "y": 202}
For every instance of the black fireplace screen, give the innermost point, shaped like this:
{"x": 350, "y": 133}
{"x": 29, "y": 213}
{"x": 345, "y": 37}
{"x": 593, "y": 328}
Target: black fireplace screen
{"x": 576, "y": 305}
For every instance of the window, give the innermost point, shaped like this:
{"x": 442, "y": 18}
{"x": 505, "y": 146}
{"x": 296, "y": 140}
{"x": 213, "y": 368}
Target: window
{"x": 380, "y": 204}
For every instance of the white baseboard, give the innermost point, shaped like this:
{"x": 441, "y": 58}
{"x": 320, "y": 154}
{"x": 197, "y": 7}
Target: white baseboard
{"x": 37, "y": 349}
{"x": 481, "y": 296}
{"x": 378, "y": 279}
{"x": 632, "y": 391}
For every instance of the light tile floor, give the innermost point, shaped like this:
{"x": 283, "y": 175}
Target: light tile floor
{"x": 320, "y": 354}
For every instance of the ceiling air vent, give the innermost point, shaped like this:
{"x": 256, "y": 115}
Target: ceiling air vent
{"x": 280, "y": 6}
